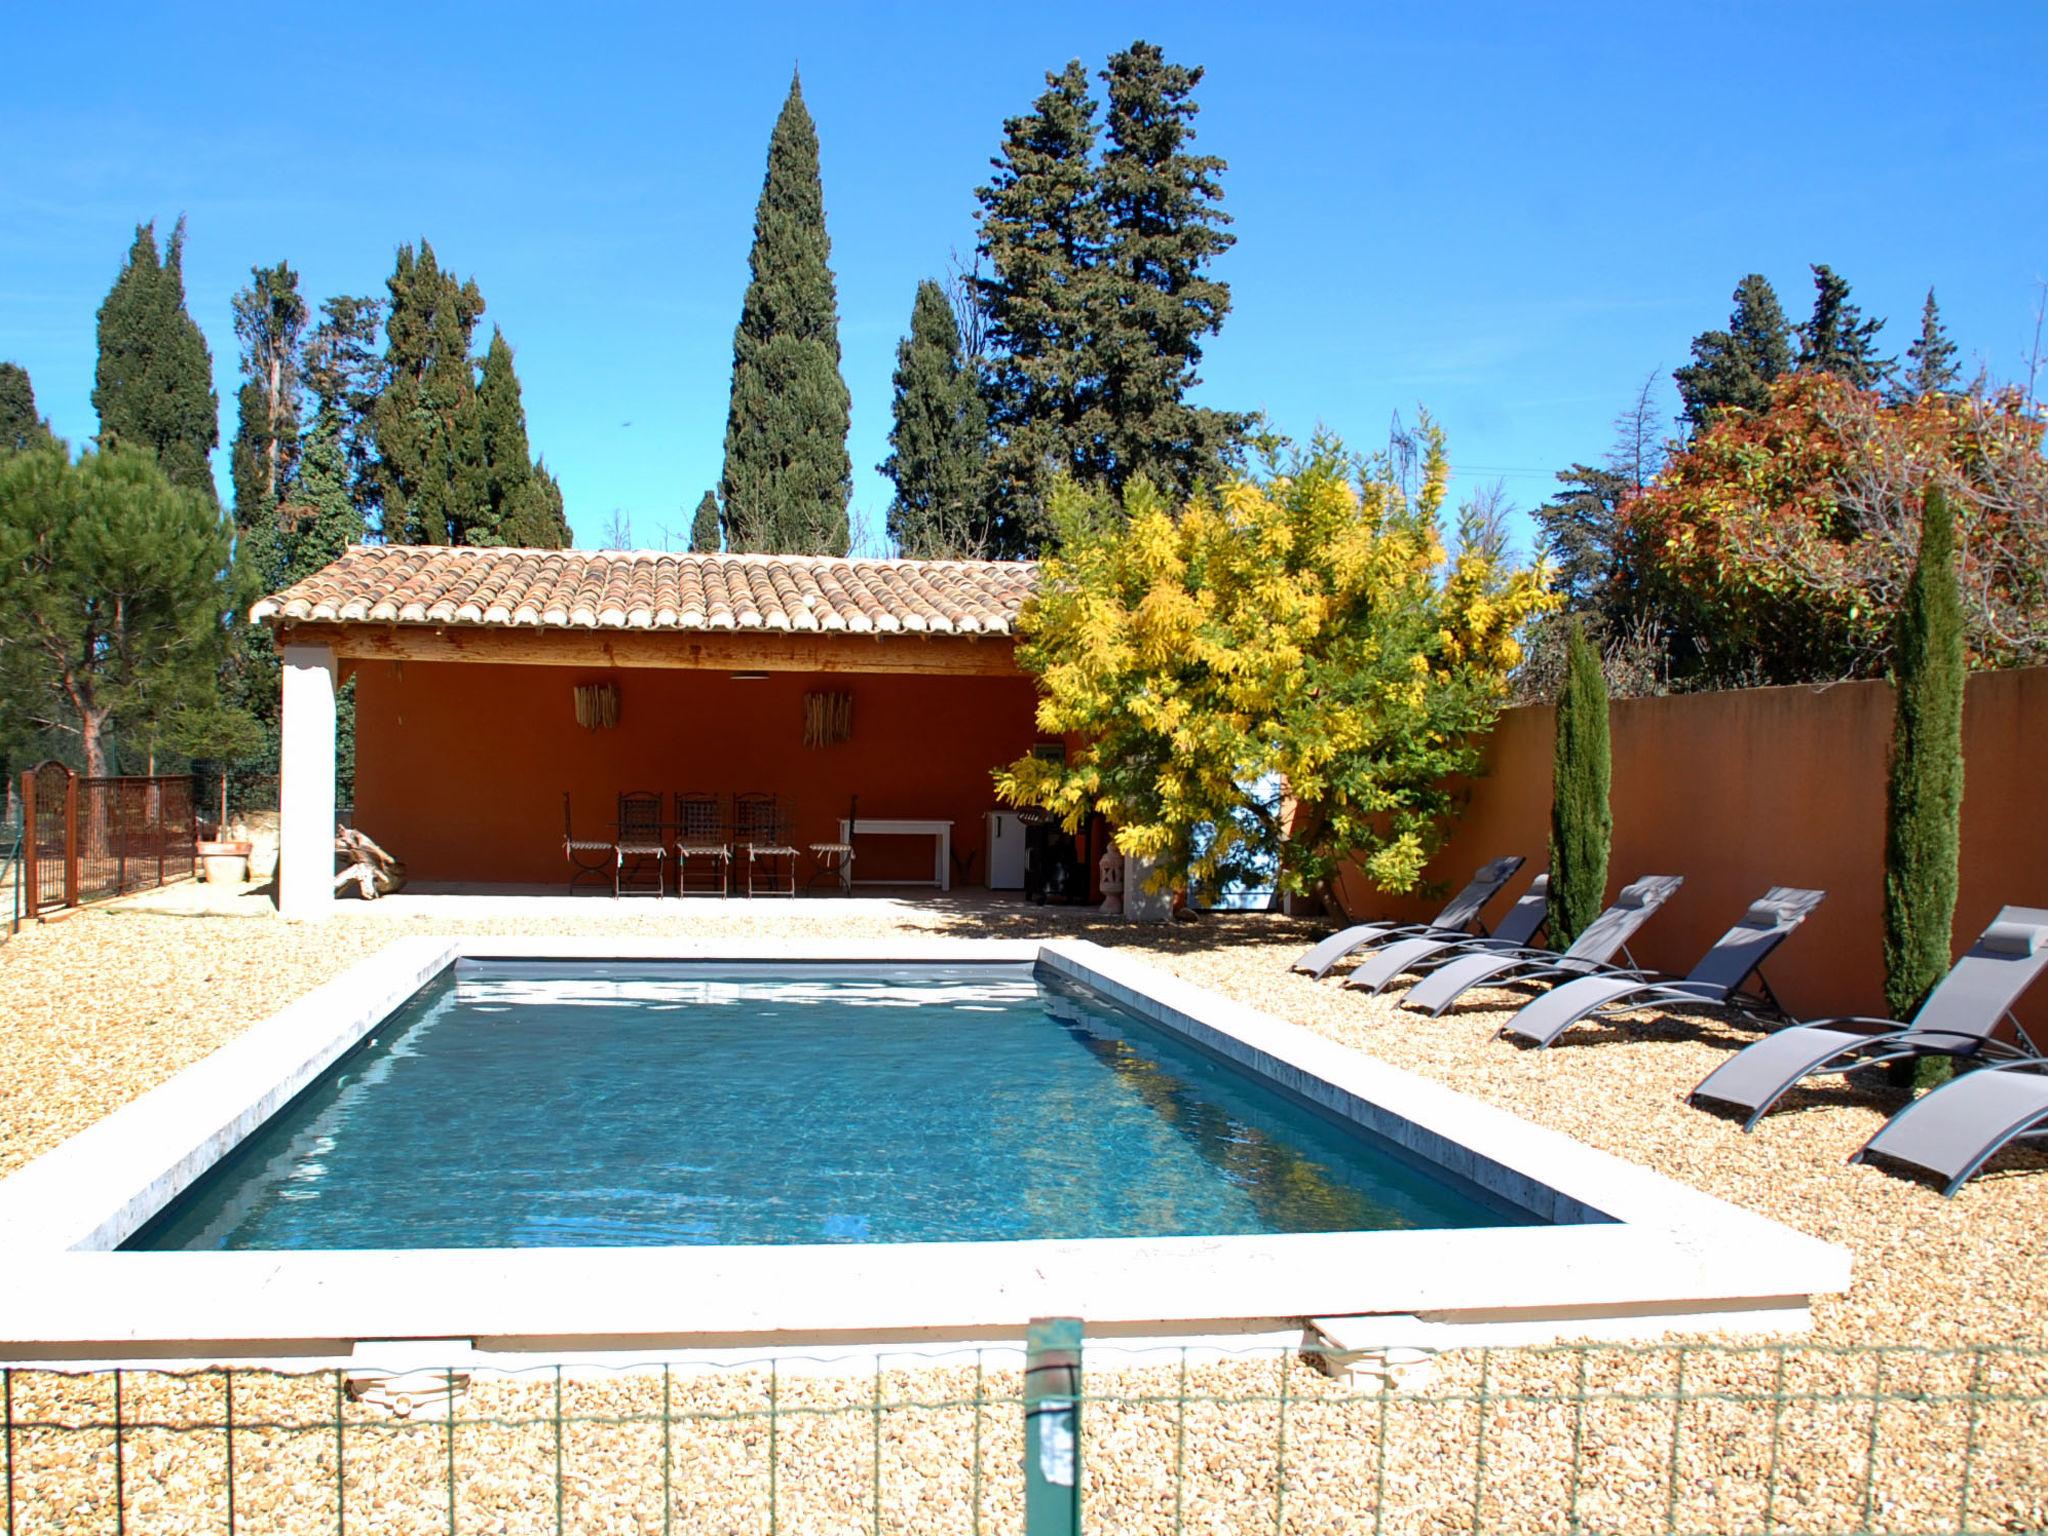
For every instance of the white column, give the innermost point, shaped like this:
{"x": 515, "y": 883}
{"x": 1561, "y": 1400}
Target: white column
{"x": 305, "y": 798}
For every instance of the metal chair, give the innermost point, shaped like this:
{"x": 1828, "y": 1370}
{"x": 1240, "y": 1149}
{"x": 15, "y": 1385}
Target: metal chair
{"x": 589, "y": 859}
{"x": 641, "y": 842}
{"x": 835, "y": 860}
{"x": 702, "y": 834}
{"x": 760, "y": 827}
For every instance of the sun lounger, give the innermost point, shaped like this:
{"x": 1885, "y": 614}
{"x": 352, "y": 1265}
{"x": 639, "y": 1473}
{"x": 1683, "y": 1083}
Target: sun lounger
{"x": 1716, "y": 982}
{"x": 1953, "y": 1131}
{"x": 1958, "y": 1019}
{"x": 1605, "y": 937}
{"x": 1458, "y": 917}
{"x": 1524, "y": 920}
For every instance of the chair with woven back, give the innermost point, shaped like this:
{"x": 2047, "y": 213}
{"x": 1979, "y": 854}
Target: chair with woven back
{"x": 641, "y": 843}
{"x": 590, "y": 859}
{"x": 760, "y": 836}
{"x": 703, "y": 836}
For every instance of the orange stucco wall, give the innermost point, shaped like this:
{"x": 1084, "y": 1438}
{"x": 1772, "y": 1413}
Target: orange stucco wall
{"x": 460, "y": 768}
{"x": 1774, "y": 786}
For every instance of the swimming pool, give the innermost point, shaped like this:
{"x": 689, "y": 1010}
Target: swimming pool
{"x": 1255, "y": 1126}
{"x": 521, "y": 1104}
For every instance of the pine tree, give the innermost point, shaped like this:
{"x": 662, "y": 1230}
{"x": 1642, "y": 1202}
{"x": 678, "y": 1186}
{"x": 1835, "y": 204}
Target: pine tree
{"x": 429, "y": 439}
{"x": 1733, "y": 369}
{"x": 270, "y": 323}
{"x": 117, "y": 582}
{"x": 1585, "y": 537}
{"x": 1924, "y": 789}
{"x": 1162, "y": 228}
{"x": 1581, "y": 821}
{"x": 20, "y": 427}
{"x": 704, "y": 526}
{"x": 153, "y": 387}
{"x": 938, "y": 440}
{"x": 522, "y": 505}
{"x": 1837, "y": 339}
{"x": 1931, "y": 360}
{"x": 1041, "y": 232}
{"x": 787, "y": 476}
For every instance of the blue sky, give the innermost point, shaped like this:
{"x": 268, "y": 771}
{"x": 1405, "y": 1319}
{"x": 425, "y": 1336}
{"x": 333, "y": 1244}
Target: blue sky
{"x": 1506, "y": 214}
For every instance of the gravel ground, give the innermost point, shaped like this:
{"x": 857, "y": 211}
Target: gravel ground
{"x": 97, "y": 1009}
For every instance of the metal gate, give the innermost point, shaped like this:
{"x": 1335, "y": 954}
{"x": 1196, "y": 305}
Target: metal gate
{"x": 84, "y": 839}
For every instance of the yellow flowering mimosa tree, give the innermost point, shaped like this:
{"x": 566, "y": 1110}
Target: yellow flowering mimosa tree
{"x": 1286, "y": 672}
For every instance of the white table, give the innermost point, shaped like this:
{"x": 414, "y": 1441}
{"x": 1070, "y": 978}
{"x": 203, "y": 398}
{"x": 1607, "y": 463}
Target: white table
{"x": 941, "y": 833}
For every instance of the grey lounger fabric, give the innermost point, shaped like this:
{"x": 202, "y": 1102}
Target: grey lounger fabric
{"x": 1524, "y": 918}
{"x": 1457, "y": 917}
{"x": 1956, "y": 1020}
{"x": 1716, "y": 982}
{"x": 1953, "y": 1131}
{"x": 1590, "y": 953}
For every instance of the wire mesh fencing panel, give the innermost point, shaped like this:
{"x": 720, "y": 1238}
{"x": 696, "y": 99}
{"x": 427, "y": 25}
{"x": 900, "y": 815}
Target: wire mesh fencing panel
{"x": 1654, "y": 1439}
{"x": 132, "y": 834}
{"x": 12, "y": 842}
{"x": 227, "y": 796}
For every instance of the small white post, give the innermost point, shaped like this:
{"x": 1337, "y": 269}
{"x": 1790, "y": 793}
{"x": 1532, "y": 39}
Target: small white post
{"x": 305, "y": 799}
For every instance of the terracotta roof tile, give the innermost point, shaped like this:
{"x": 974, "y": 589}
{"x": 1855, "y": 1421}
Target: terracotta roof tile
{"x": 642, "y": 589}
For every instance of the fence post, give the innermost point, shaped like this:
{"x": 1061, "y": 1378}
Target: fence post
{"x": 31, "y": 846}
{"x": 1052, "y": 1427}
{"x": 70, "y": 839}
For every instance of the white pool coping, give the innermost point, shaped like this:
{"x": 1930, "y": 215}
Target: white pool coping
{"x": 1666, "y": 1256}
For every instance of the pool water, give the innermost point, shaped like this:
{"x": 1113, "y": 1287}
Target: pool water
{"x": 516, "y": 1104}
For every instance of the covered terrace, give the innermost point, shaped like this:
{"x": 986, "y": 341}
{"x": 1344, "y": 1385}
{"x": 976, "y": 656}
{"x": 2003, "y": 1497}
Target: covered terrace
{"x": 699, "y": 673}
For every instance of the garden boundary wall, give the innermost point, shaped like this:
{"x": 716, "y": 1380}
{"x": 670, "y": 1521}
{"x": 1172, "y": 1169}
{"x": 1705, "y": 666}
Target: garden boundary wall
{"x": 1755, "y": 787}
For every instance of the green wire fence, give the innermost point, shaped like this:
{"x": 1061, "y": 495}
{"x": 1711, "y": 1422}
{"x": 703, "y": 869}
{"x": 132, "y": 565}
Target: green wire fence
{"x": 1695, "y": 1439}
{"x": 11, "y": 846}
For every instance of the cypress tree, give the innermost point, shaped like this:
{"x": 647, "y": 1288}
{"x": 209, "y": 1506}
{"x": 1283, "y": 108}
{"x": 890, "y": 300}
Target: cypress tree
{"x": 522, "y": 504}
{"x": 1924, "y": 789}
{"x": 345, "y": 374}
{"x": 1162, "y": 228}
{"x": 270, "y": 323}
{"x": 153, "y": 387}
{"x": 1733, "y": 369}
{"x": 1581, "y": 821}
{"x": 1041, "y": 232}
{"x": 704, "y": 526}
{"x": 1837, "y": 339}
{"x": 325, "y": 519}
{"x": 1931, "y": 360}
{"x": 787, "y": 476}
{"x": 429, "y": 440}
{"x": 551, "y": 531}
{"x": 20, "y": 427}
{"x": 938, "y": 439}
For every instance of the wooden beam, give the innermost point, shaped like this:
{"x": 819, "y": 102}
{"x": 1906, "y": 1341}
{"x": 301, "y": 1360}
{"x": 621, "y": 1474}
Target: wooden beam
{"x": 751, "y": 650}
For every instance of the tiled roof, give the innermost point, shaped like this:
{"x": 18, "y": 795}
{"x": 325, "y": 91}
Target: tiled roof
{"x": 643, "y": 589}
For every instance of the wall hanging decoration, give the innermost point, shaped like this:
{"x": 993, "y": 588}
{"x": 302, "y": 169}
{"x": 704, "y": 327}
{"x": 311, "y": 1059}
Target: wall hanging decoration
{"x": 828, "y": 719}
{"x": 597, "y": 706}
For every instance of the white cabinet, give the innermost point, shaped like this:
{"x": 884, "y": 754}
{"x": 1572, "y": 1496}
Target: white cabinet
{"x": 1005, "y": 851}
